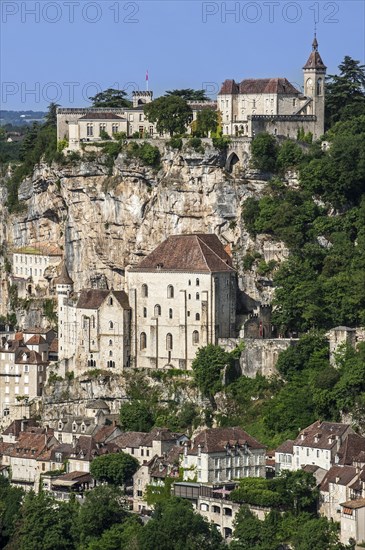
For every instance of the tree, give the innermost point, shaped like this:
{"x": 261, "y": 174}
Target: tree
{"x": 289, "y": 155}
{"x": 264, "y": 152}
{"x": 206, "y": 122}
{"x": 317, "y": 534}
{"x": 10, "y": 504}
{"x": 136, "y": 417}
{"x": 114, "y": 468}
{"x": 175, "y": 525}
{"x": 247, "y": 530}
{"x": 312, "y": 349}
{"x": 120, "y": 535}
{"x": 102, "y": 508}
{"x": 51, "y": 116}
{"x": 115, "y": 99}
{"x": 189, "y": 95}
{"x": 345, "y": 93}
{"x": 171, "y": 114}
{"x": 208, "y": 368}
{"x": 45, "y": 523}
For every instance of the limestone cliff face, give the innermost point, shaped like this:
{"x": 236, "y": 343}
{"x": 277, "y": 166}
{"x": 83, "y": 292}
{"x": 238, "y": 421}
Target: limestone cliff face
{"x": 107, "y": 222}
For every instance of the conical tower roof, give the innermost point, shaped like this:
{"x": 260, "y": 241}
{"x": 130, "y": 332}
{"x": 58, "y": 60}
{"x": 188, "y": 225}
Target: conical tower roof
{"x": 64, "y": 277}
{"x": 315, "y": 60}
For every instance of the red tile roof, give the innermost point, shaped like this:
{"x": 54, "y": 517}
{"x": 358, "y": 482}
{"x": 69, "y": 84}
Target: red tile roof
{"x": 213, "y": 440}
{"x": 36, "y": 339}
{"x": 189, "y": 253}
{"x": 64, "y": 277}
{"x": 340, "y": 475}
{"x": 93, "y": 298}
{"x": 259, "y": 86}
{"x": 286, "y": 447}
{"x": 30, "y": 445}
{"x": 314, "y": 61}
{"x": 322, "y": 435}
{"x": 229, "y": 87}
{"x": 353, "y": 445}
{"x": 53, "y": 348}
{"x": 101, "y": 116}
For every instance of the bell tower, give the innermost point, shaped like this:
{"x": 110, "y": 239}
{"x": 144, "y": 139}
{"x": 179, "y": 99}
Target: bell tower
{"x": 314, "y": 80}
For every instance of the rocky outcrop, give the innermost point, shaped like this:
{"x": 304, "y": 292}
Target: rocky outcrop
{"x": 106, "y": 220}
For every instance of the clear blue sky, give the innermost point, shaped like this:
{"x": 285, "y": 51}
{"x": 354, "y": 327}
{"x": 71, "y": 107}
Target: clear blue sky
{"x": 58, "y": 48}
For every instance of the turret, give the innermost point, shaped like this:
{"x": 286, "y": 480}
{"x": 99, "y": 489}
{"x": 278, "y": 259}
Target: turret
{"x": 314, "y": 77}
{"x": 64, "y": 283}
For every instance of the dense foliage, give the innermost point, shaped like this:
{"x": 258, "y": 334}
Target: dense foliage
{"x": 171, "y": 114}
{"x": 102, "y": 522}
{"x": 299, "y": 532}
{"x": 114, "y": 468}
{"x": 111, "y": 98}
{"x": 189, "y": 94}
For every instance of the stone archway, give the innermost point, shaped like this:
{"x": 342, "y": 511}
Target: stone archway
{"x": 231, "y": 161}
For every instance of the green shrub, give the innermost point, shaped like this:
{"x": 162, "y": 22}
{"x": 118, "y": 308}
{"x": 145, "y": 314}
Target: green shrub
{"x": 221, "y": 142}
{"x": 196, "y": 144}
{"x": 104, "y": 135}
{"x": 175, "y": 143}
{"x": 264, "y": 151}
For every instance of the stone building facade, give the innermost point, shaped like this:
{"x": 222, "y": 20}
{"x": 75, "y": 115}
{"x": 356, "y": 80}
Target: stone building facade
{"x": 180, "y": 297}
{"x": 223, "y": 454}
{"x": 274, "y": 105}
{"x": 94, "y": 328}
{"x": 32, "y": 268}
{"x": 23, "y": 370}
{"x": 183, "y": 296}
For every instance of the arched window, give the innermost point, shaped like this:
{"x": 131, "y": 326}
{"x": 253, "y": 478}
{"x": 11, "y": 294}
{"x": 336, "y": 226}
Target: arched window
{"x": 189, "y": 283}
{"x": 111, "y": 325}
{"x": 110, "y": 301}
{"x": 110, "y": 342}
{"x": 170, "y": 291}
{"x": 144, "y": 312}
{"x": 170, "y": 313}
{"x": 197, "y": 296}
{"x": 195, "y": 337}
{"x": 143, "y": 340}
{"x": 169, "y": 342}
{"x": 197, "y": 282}
{"x": 157, "y": 310}
{"x": 197, "y": 317}
{"x": 319, "y": 86}
{"x": 144, "y": 291}
{"x": 110, "y": 353}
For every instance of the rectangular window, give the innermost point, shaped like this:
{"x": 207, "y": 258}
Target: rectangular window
{"x": 130, "y": 118}
{"x": 26, "y": 391}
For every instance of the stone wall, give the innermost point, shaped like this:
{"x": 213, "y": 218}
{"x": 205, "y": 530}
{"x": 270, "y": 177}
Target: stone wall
{"x": 260, "y": 356}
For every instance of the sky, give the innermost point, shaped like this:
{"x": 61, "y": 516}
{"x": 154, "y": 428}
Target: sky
{"x": 68, "y": 50}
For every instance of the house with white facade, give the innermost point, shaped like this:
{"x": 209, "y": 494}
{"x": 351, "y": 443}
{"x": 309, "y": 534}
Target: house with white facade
{"x": 319, "y": 444}
{"x": 23, "y": 371}
{"x": 183, "y": 296}
{"x": 33, "y": 268}
{"x": 219, "y": 455}
{"x": 284, "y": 457}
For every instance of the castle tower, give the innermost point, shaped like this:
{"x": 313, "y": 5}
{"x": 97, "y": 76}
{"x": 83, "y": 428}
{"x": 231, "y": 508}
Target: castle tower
{"x": 64, "y": 287}
{"x": 314, "y": 76}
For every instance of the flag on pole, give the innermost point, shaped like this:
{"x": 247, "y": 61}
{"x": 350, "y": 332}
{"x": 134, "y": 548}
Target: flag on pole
{"x": 147, "y": 80}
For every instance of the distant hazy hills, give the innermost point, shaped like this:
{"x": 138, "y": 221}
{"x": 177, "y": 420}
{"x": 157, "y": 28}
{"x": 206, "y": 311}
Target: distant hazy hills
{"x": 21, "y": 118}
